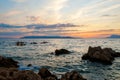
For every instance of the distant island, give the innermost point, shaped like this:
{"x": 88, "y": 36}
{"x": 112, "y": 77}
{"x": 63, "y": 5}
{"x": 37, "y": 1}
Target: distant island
{"x": 35, "y": 37}
{"x": 114, "y": 36}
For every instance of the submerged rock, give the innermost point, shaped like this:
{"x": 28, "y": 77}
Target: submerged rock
{"x": 61, "y": 51}
{"x": 7, "y": 62}
{"x": 73, "y": 75}
{"x": 97, "y": 54}
{"x": 20, "y": 44}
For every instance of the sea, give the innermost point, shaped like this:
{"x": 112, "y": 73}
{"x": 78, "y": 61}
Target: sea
{"x": 39, "y": 55}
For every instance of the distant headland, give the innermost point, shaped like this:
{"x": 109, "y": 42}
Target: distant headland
{"x": 35, "y": 37}
{"x": 114, "y": 36}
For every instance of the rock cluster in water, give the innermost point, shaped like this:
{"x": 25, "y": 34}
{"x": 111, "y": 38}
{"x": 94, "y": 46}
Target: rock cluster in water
{"x": 20, "y": 43}
{"x": 97, "y": 54}
{"x": 9, "y": 71}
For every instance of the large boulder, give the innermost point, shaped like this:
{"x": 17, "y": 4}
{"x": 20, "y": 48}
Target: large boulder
{"x": 73, "y": 75}
{"x": 26, "y": 75}
{"x": 7, "y": 62}
{"x": 46, "y": 74}
{"x": 97, "y": 54}
{"x": 61, "y": 51}
{"x": 14, "y": 74}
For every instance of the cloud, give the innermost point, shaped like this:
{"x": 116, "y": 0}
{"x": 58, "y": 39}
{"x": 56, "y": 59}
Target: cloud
{"x": 51, "y": 13}
{"x": 19, "y": 1}
{"x": 110, "y": 8}
{"x": 2, "y": 25}
{"x": 35, "y": 29}
{"x": 33, "y": 18}
{"x": 92, "y": 10}
{"x": 108, "y": 15}
{"x": 12, "y": 13}
{"x": 11, "y": 34}
{"x": 92, "y": 34}
{"x": 60, "y": 25}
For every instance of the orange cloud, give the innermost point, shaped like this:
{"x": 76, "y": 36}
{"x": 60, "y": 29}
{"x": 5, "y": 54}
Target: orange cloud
{"x": 94, "y": 34}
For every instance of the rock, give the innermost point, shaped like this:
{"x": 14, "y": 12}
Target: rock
{"x": 20, "y": 44}
{"x": 7, "y": 73}
{"x": 26, "y": 75}
{"x": 46, "y": 74}
{"x": 97, "y": 54}
{"x": 61, "y": 51}
{"x": 14, "y": 74}
{"x": 29, "y": 65}
{"x": 73, "y": 75}
{"x": 44, "y": 42}
{"x": 7, "y": 62}
{"x": 33, "y": 43}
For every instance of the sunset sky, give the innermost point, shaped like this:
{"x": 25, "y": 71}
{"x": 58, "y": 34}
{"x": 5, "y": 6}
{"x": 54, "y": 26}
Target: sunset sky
{"x": 77, "y": 18}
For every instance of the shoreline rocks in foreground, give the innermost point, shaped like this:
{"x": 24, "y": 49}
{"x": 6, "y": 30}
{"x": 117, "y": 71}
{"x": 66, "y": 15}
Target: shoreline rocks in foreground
{"x": 97, "y": 54}
{"x": 8, "y": 62}
{"x": 9, "y": 71}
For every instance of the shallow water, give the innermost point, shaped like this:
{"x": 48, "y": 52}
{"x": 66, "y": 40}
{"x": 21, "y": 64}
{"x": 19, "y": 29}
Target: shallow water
{"x": 39, "y": 56}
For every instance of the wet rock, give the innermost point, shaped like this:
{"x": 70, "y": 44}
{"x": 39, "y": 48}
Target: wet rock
{"x": 26, "y": 75}
{"x": 14, "y": 74}
{"x": 97, "y": 54}
{"x": 46, "y": 74}
{"x": 61, "y": 51}
{"x": 73, "y": 75}
{"x": 29, "y": 65}
{"x": 20, "y": 44}
{"x": 33, "y": 43}
{"x": 7, "y": 73}
{"x": 44, "y": 42}
{"x": 7, "y": 62}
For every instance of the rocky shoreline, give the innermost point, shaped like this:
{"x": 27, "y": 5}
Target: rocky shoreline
{"x": 9, "y": 71}
{"x": 9, "y": 67}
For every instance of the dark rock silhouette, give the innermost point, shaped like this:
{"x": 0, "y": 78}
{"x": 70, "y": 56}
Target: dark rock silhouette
{"x": 20, "y": 44}
{"x": 46, "y": 74}
{"x": 26, "y": 75}
{"x": 97, "y": 54}
{"x": 33, "y": 43}
{"x": 14, "y": 74}
{"x": 29, "y": 65}
{"x": 73, "y": 75}
{"x": 44, "y": 42}
{"x": 7, "y": 62}
{"x": 61, "y": 51}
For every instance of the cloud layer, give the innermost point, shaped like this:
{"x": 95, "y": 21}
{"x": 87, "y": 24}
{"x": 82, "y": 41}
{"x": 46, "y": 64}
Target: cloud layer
{"x": 41, "y": 17}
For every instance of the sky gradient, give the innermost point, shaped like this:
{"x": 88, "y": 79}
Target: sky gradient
{"x": 77, "y": 18}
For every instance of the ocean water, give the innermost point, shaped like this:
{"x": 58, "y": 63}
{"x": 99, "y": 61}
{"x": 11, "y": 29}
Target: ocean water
{"x": 39, "y": 56}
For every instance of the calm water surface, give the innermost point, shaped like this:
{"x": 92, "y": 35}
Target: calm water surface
{"x": 39, "y": 56}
